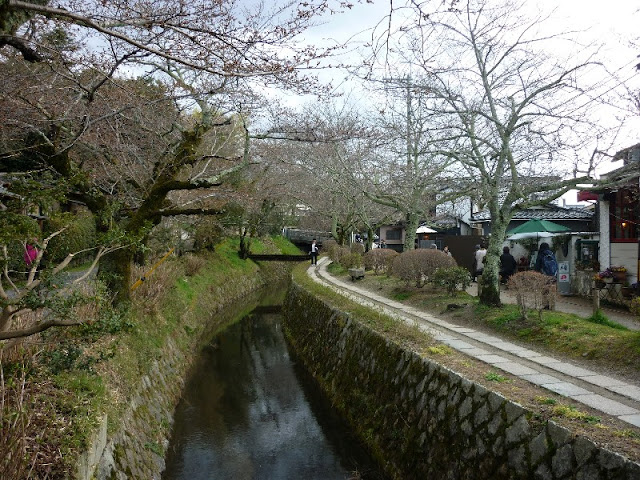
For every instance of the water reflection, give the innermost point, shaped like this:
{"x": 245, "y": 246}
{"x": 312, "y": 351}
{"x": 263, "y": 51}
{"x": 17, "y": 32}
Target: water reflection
{"x": 249, "y": 413}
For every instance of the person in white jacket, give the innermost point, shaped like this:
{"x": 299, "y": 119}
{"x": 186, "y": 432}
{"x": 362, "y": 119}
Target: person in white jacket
{"x": 314, "y": 252}
{"x": 480, "y": 254}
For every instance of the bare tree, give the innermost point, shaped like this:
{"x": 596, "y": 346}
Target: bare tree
{"x": 333, "y": 151}
{"x": 124, "y": 146}
{"x": 415, "y": 171}
{"x": 516, "y": 117}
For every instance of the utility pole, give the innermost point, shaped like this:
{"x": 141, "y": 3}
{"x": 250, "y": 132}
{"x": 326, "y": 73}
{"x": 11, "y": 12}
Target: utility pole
{"x": 406, "y": 82}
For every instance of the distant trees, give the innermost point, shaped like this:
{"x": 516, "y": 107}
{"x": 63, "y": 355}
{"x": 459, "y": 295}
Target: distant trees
{"x": 415, "y": 172}
{"x": 331, "y": 155}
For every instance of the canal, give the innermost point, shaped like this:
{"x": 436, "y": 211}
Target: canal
{"x": 250, "y": 411}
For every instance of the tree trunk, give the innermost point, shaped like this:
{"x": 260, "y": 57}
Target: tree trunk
{"x": 370, "y": 234}
{"x": 490, "y": 292}
{"x": 245, "y": 244}
{"x": 115, "y": 271}
{"x": 410, "y": 231}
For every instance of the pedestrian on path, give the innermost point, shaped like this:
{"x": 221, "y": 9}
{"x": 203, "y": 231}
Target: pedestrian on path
{"x": 508, "y": 265}
{"x": 314, "y": 252}
{"x": 547, "y": 264}
{"x": 479, "y": 263}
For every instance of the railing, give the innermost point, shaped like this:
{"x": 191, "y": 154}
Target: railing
{"x": 278, "y": 258}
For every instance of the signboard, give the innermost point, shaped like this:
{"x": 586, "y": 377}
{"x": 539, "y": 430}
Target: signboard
{"x": 563, "y": 271}
{"x": 564, "y": 279}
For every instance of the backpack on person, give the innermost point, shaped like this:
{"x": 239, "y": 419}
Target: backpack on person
{"x": 549, "y": 264}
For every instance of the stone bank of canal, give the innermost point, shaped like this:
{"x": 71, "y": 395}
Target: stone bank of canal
{"x": 425, "y": 421}
{"x": 249, "y": 411}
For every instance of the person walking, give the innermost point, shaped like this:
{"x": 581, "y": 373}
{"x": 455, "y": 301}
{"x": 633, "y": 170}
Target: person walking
{"x": 547, "y": 264}
{"x": 474, "y": 263}
{"x": 314, "y": 252}
{"x": 479, "y": 257}
{"x": 446, "y": 250}
{"x": 30, "y": 254}
{"x": 508, "y": 265}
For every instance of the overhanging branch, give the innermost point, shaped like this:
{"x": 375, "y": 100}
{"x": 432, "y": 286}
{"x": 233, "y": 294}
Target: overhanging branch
{"x": 37, "y": 328}
{"x": 190, "y": 211}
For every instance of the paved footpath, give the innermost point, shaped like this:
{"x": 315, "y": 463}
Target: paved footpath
{"x": 606, "y": 394}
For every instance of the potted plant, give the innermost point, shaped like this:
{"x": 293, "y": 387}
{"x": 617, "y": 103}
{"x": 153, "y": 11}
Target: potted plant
{"x": 619, "y": 273}
{"x": 601, "y": 278}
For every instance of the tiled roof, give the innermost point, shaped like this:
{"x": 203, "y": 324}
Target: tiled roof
{"x": 558, "y": 213}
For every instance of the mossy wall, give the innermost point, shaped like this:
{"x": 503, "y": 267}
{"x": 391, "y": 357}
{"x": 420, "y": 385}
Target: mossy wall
{"x": 136, "y": 449}
{"x": 424, "y": 421}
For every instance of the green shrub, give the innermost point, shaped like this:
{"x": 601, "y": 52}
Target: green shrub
{"x": 357, "y": 248}
{"x": 351, "y": 260}
{"x": 208, "y": 233}
{"x": 420, "y": 264}
{"x": 452, "y": 278}
{"x": 193, "y": 264}
{"x": 62, "y": 358}
{"x": 635, "y": 306}
{"x": 601, "y": 319}
{"x": 379, "y": 260}
{"x": 330, "y": 247}
{"x": 80, "y": 234}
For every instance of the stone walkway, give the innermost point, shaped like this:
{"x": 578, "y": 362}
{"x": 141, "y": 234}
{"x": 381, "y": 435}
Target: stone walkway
{"x": 609, "y": 395}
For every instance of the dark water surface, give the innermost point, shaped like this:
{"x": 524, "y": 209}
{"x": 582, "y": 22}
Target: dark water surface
{"x": 250, "y": 412}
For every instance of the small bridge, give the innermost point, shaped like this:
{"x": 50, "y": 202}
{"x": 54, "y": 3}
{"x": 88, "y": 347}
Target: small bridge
{"x": 302, "y": 238}
{"x": 278, "y": 258}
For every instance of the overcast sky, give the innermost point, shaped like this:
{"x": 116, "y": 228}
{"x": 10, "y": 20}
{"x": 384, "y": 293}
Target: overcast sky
{"x": 613, "y": 22}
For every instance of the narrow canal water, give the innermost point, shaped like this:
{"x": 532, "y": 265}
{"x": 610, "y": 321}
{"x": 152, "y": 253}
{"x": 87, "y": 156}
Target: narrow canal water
{"x": 250, "y": 411}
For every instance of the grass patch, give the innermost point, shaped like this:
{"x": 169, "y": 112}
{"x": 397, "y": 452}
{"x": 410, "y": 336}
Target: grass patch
{"x": 336, "y": 269}
{"x": 439, "y": 350}
{"x": 635, "y": 436}
{"x": 507, "y": 315}
{"x": 601, "y": 319}
{"x": 284, "y": 246}
{"x": 401, "y": 295}
{"x": 495, "y": 377}
{"x": 573, "y": 413}
{"x": 611, "y": 344}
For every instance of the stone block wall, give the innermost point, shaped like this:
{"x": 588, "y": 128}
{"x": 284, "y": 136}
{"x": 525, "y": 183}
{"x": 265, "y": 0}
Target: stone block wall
{"x": 424, "y": 421}
{"x": 136, "y": 449}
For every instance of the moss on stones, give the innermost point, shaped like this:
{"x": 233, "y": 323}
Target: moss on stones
{"x": 421, "y": 420}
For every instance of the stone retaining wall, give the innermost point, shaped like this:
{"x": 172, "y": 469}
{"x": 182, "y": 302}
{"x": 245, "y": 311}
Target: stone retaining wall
{"x": 136, "y": 450}
{"x": 424, "y": 421}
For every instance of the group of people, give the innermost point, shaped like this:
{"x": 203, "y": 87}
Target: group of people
{"x": 545, "y": 263}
